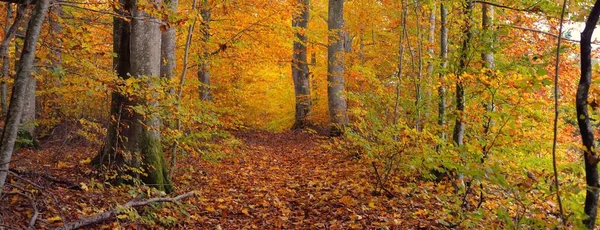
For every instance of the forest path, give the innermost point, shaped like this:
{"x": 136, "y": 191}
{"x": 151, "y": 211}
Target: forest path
{"x": 292, "y": 180}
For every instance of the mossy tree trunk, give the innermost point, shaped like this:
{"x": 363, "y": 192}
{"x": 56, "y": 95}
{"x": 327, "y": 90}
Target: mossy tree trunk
{"x": 133, "y": 139}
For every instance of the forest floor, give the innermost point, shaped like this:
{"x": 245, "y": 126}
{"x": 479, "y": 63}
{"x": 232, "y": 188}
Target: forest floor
{"x": 273, "y": 180}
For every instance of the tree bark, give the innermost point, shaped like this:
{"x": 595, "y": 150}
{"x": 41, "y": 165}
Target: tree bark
{"x": 168, "y": 43}
{"x": 121, "y": 116}
{"x": 443, "y": 68}
{"x": 583, "y": 118}
{"x": 430, "y": 50}
{"x": 145, "y": 61}
{"x": 203, "y": 70}
{"x": 20, "y": 88}
{"x": 459, "y": 127}
{"x": 300, "y": 70}
{"x": 5, "y": 59}
{"x": 487, "y": 16}
{"x": 335, "y": 68}
{"x": 28, "y": 117}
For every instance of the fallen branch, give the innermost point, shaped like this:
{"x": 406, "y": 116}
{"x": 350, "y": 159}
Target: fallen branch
{"x": 113, "y": 212}
{"x": 51, "y": 178}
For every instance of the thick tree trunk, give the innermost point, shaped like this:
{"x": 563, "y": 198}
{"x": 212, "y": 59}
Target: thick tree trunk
{"x": 121, "y": 116}
{"x": 335, "y": 68}
{"x": 443, "y": 68}
{"x": 22, "y": 80}
{"x": 300, "y": 73}
{"x": 583, "y": 119}
{"x": 203, "y": 70}
{"x": 145, "y": 61}
{"x": 459, "y": 127}
{"x": 168, "y": 43}
{"x": 28, "y": 117}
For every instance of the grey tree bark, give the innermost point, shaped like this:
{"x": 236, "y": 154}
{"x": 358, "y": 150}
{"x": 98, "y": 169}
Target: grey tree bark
{"x": 300, "y": 72}
{"x": 335, "y": 68}
{"x": 419, "y": 79}
{"x": 28, "y": 117}
{"x": 431, "y": 52}
{"x": 203, "y": 70}
{"x": 487, "y": 17}
{"x": 168, "y": 43}
{"x": 4, "y": 54}
{"x": 20, "y": 88}
{"x": 443, "y": 68}
{"x": 459, "y": 126}
{"x": 145, "y": 61}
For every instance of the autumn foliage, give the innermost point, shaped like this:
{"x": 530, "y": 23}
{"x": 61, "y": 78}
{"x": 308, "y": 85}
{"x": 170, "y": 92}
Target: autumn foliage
{"x": 395, "y": 166}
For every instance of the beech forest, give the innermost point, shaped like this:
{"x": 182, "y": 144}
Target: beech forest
{"x": 299, "y": 114}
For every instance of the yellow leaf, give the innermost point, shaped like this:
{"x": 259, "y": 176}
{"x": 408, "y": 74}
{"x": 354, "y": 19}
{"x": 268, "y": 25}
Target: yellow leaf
{"x": 121, "y": 216}
{"x": 245, "y": 211}
{"x": 54, "y": 219}
{"x": 61, "y": 165}
{"x": 83, "y": 186}
{"x": 372, "y": 205}
{"x": 210, "y": 209}
{"x": 86, "y": 161}
{"x": 347, "y": 200}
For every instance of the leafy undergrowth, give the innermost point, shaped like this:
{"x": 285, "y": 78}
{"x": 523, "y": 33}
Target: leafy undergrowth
{"x": 285, "y": 180}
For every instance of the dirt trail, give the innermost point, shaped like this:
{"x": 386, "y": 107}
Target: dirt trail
{"x": 291, "y": 180}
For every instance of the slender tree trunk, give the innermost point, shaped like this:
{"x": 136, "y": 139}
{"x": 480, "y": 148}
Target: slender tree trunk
{"x": 145, "y": 61}
{"x": 459, "y": 127}
{"x": 444, "y": 66}
{"x": 431, "y": 52}
{"x": 583, "y": 118}
{"x": 203, "y": 70}
{"x": 168, "y": 42}
{"x": 418, "y": 89}
{"x": 20, "y": 88}
{"x": 4, "y": 54}
{"x": 400, "y": 62}
{"x": 300, "y": 73}
{"x": 487, "y": 24}
{"x": 335, "y": 68}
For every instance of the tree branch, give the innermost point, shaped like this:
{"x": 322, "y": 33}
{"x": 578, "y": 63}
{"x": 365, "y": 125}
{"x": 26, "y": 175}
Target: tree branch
{"x": 113, "y": 212}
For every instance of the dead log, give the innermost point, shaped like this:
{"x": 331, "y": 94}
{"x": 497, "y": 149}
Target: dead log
{"x": 113, "y": 212}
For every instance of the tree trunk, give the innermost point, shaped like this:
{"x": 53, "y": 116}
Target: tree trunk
{"x": 459, "y": 127}
{"x": 28, "y": 117}
{"x": 121, "y": 116}
{"x": 203, "y": 70}
{"x": 145, "y": 61}
{"x": 431, "y": 41}
{"x": 20, "y": 88}
{"x": 168, "y": 43}
{"x": 487, "y": 17}
{"x": 583, "y": 119}
{"x": 418, "y": 89}
{"x": 335, "y": 68}
{"x": 444, "y": 66}
{"x": 300, "y": 66}
{"x": 5, "y": 59}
